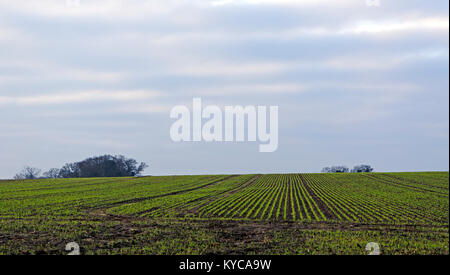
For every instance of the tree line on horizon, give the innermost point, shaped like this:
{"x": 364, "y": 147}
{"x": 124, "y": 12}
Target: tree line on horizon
{"x": 120, "y": 166}
{"x": 101, "y": 166}
{"x": 363, "y": 168}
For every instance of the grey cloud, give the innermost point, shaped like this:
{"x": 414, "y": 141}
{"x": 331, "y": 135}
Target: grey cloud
{"x": 348, "y": 91}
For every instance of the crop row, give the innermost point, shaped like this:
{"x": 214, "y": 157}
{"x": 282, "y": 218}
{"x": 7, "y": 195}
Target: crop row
{"x": 419, "y": 198}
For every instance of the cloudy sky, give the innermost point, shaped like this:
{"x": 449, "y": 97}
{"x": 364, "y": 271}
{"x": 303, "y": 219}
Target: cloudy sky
{"x": 354, "y": 82}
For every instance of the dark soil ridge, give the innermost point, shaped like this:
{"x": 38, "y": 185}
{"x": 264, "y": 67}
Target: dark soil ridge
{"x": 225, "y": 193}
{"x": 163, "y": 195}
{"x": 413, "y": 181}
{"x": 415, "y": 188}
{"x": 322, "y": 206}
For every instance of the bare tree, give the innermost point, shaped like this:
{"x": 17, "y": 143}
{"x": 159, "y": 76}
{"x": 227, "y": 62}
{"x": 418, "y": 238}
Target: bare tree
{"x": 326, "y": 170}
{"x": 363, "y": 168}
{"x": 28, "y": 173}
{"x": 53, "y": 173}
{"x": 335, "y": 169}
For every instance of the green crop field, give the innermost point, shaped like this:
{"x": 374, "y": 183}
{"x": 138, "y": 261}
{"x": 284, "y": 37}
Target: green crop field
{"x": 405, "y": 213}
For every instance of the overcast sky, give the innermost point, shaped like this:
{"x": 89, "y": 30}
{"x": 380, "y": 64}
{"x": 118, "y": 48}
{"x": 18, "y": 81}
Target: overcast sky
{"x": 355, "y": 83}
